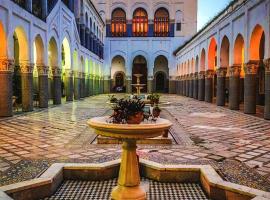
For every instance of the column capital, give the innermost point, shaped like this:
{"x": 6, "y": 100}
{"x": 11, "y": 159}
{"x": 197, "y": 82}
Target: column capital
{"x": 83, "y": 74}
{"x": 221, "y": 72}
{"x": 251, "y": 67}
{"x": 43, "y": 70}
{"x": 235, "y": 70}
{"x": 69, "y": 73}
{"x": 77, "y": 74}
{"x": 201, "y": 75}
{"x": 56, "y": 71}
{"x": 26, "y": 67}
{"x": 209, "y": 73}
{"x": 6, "y": 65}
{"x": 267, "y": 65}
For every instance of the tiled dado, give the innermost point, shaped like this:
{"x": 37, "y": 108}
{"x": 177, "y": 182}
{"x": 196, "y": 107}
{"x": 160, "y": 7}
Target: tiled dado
{"x": 214, "y": 186}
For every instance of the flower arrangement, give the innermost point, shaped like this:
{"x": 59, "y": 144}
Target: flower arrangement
{"x": 128, "y": 111}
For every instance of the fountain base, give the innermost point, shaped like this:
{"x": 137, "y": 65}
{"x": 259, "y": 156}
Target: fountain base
{"x": 128, "y": 193}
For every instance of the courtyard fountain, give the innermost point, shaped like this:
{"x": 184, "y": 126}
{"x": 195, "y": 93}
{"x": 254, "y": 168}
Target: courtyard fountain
{"x": 138, "y": 84}
{"x": 129, "y": 178}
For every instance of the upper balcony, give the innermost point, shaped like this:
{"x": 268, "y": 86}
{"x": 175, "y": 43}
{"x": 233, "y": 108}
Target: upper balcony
{"x": 140, "y": 25}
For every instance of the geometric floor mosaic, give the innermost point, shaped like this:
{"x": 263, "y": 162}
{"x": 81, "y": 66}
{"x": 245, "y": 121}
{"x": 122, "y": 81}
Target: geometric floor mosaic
{"x": 101, "y": 190}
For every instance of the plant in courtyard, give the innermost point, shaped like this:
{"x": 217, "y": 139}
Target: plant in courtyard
{"x": 154, "y": 98}
{"x": 112, "y": 98}
{"x": 128, "y": 111}
{"x": 156, "y": 111}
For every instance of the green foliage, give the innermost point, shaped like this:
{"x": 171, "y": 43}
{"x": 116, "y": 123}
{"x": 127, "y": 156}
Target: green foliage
{"x": 112, "y": 99}
{"x": 125, "y": 108}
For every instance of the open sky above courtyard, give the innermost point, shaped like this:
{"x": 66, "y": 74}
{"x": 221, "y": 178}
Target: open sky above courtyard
{"x": 207, "y": 9}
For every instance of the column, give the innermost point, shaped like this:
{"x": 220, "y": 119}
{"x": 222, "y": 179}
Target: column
{"x": 184, "y": 85}
{"x": 57, "y": 85}
{"x": 128, "y": 84}
{"x": 43, "y": 86}
{"x": 201, "y": 86}
{"x": 187, "y": 85}
{"x": 69, "y": 84}
{"x": 82, "y": 84}
{"x": 251, "y": 69}
{"x": 91, "y": 90}
{"x": 87, "y": 89}
{"x": 107, "y": 84}
{"x": 234, "y": 90}
{"x": 77, "y": 85}
{"x": 171, "y": 85}
{"x": 195, "y": 86}
{"x": 221, "y": 86}
{"x": 267, "y": 89}
{"x": 150, "y": 84}
{"x": 209, "y": 86}
{"x": 27, "y": 86}
{"x": 6, "y": 90}
{"x": 190, "y": 86}
{"x": 181, "y": 85}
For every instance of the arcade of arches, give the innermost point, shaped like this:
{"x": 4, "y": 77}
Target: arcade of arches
{"x": 26, "y": 84}
{"x": 122, "y": 79}
{"x": 246, "y": 84}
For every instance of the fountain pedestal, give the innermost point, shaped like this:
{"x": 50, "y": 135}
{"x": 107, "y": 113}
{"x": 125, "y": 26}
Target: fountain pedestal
{"x": 129, "y": 177}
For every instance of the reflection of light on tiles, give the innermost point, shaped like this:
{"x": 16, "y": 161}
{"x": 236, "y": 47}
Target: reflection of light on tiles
{"x": 229, "y": 129}
{"x": 208, "y": 115}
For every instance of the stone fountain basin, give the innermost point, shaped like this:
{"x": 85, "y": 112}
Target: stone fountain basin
{"x": 129, "y": 131}
{"x": 51, "y": 181}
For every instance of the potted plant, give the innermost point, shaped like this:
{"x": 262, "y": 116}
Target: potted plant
{"x": 129, "y": 111}
{"x": 154, "y": 98}
{"x": 156, "y": 112}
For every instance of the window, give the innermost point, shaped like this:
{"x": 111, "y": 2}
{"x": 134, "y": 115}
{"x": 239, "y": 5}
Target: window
{"x": 178, "y": 20}
{"x": 118, "y": 23}
{"x": 178, "y": 26}
{"x": 161, "y": 23}
{"x": 140, "y": 23}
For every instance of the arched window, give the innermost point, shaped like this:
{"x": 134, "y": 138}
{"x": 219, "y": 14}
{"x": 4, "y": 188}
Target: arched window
{"x": 140, "y": 23}
{"x": 118, "y": 23}
{"x": 161, "y": 23}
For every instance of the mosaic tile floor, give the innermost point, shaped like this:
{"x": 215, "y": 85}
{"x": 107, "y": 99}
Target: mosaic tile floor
{"x": 204, "y": 133}
{"x": 96, "y": 190}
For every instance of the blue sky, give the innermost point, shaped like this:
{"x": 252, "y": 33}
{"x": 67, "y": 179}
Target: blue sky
{"x": 207, "y": 9}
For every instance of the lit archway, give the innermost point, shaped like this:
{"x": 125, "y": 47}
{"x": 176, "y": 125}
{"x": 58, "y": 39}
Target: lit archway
{"x": 118, "y": 22}
{"x": 53, "y": 63}
{"x": 38, "y": 55}
{"x": 224, "y": 52}
{"x": 202, "y": 63}
{"x": 212, "y": 55}
{"x": 66, "y": 64}
{"x": 239, "y": 53}
{"x": 140, "y": 23}
{"x": 257, "y": 53}
{"x": 161, "y": 74}
{"x": 21, "y": 55}
{"x": 161, "y": 23}
{"x": 118, "y": 71}
{"x": 140, "y": 67}
{"x": 3, "y": 42}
